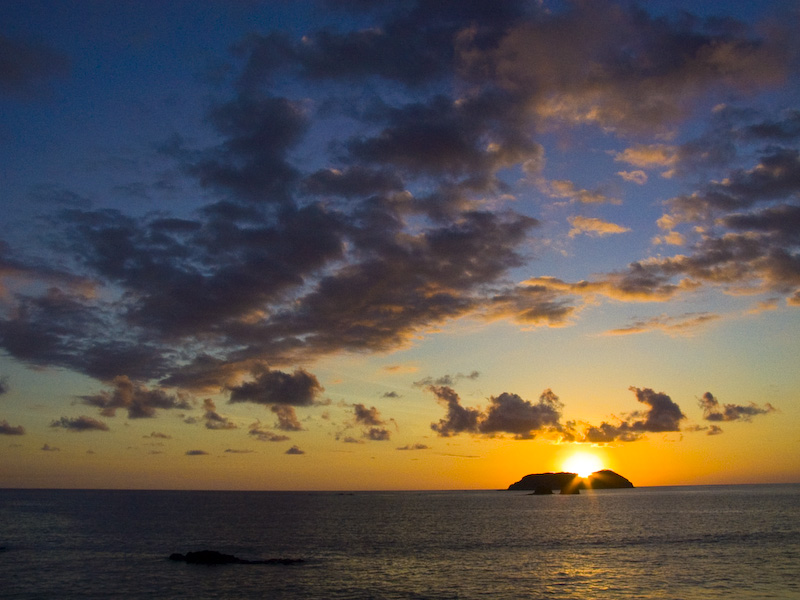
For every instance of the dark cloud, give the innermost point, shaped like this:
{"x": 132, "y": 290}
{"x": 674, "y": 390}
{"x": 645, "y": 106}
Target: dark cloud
{"x": 158, "y": 436}
{"x": 251, "y": 162}
{"x": 276, "y": 387}
{"x": 378, "y": 434}
{"x": 446, "y": 380}
{"x": 653, "y": 79}
{"x": 508, "y": 413}
{"x": 196, "y": 453}
{"x": 25, "y": 67}
{"x": 395, "y": 230}
{"x": 662, "y": 415}
{"x": 294, "y": 450}
{"x": 367, "y": 416}
{"x": 416, "y": 446}
{"x": 372, "y": 422}
{"x": 287, "y": 418}
{"x": 458, "y": 419}
{"x": 391, "y": 395}
{"x": 233, "y": 451}
{"x": 3, "y": 385}
{"x": 213, "y": 419}
{"x": 714, "y": 411}
{"x": 82, "y": 423}
{"x": 138, "y": 400}
{"x": 6, "y": 429}
{"x": 413, "y": 44}
{"x": 49, "y": 448}
{"x": 265, "y": 435}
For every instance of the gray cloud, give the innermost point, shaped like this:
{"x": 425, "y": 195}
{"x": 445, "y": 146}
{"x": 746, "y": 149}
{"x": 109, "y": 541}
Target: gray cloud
{"x": 458, "y": 419}
{"x": 213, "y": 419}
{"x": 6, "y": 429}
{"x": 265, "y": 435}
{"x": 196, "y": 453}
{"x": 662, "y": 415}
{"x": 82, "y": 423}
{"x": 372, "y": 422}
{"x": 276, "y": 387}
{"x": 446, "y": 380}
{"x": 506, "y": 413}
{"x": 294, "y": 450}
{"x": 714, "y": 411}
{"x": 138, "y": 400}
{"x": 287, "y": 418}
{"x": 402, "y": 206}
{"x": 416, "y": 446}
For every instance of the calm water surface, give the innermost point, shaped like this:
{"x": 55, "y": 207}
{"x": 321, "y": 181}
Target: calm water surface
{"x": 665, "y": 543}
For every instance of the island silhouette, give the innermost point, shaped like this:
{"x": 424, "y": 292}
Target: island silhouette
{"x": 570, "y": 483}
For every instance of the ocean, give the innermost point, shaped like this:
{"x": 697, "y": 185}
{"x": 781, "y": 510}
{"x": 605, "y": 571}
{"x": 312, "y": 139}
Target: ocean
{"x": 667, "y": 542}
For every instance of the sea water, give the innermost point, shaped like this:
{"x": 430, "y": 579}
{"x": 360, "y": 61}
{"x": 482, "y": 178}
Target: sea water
{"x": 668, "y": 543}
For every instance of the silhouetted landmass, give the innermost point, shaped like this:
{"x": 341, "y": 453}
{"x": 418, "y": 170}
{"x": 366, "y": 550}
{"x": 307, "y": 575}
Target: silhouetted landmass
{"x": 570, "y": 483}
{"x": 212, "y": 557}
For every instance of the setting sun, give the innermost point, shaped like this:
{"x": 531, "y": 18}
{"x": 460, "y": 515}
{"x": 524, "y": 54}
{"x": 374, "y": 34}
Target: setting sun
{"x": 583, "y": 463}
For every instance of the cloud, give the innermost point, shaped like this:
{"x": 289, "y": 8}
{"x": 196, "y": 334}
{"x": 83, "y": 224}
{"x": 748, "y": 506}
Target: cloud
{"x": 648, "y": 156}
{"x": 276, "y": 387}
{"x": 264, "y": 435}
{"x": 594, "y": 227}
{"x": 3, "y": 385}
{"x": 138, "y": 400}
{"x": 158, "y": 436}
{"x": 638, "y": 177}
{"x": 6, "y": 429}
{"x": 287, "y": 418}
{"x": 662, "y": 415}
{"x": 506, "y": 413}
{"x": 533, "y": 304}
{"x": 373, "y": 424}
{"x": 446, "y": 380}
{"x": 294, "y": 450}
{"x": 716, "y": 412}
{"x": 567, "y": 189}
{"x": 196, "y": 453}
{"x": 49, "y": 448}
{"x": 233, "y": 451}
{"x": 686, "y": 324}
{"x": 408, "y": 206}
{"x": 416, "y": 446}
{"x": 213, "y": 419}
{"x": 458, "y": 419}
{"x": 82, "y": 423}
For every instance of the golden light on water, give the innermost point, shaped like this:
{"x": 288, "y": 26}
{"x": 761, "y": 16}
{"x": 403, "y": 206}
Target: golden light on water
{"x": 582, "y": 463}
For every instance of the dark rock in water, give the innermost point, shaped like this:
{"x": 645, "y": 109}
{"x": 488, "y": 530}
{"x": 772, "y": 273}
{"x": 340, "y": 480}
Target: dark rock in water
{"x": 212, "y": 557}
{"x": 599, "y": 480}
{"x": 542, "y": 490}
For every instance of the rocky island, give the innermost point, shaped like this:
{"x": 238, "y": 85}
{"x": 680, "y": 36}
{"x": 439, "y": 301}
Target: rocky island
{"x": 570, "y": 483}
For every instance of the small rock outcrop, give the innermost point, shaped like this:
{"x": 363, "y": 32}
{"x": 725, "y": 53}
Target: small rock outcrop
{"x": 212, "y": 557}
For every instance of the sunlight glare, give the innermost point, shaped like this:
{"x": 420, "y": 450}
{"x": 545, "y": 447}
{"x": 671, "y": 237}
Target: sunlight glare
{"x": 583, "y": 463}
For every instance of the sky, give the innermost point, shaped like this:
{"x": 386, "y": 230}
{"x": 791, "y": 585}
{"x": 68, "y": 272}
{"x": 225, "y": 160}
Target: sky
{"x": 349, "y": 245}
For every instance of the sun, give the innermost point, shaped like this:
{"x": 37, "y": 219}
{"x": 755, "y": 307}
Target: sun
{"x": 582, "y": 463}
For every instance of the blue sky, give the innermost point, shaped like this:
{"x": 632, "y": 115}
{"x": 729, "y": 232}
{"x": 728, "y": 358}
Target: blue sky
{"x": 454, "y": 229}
